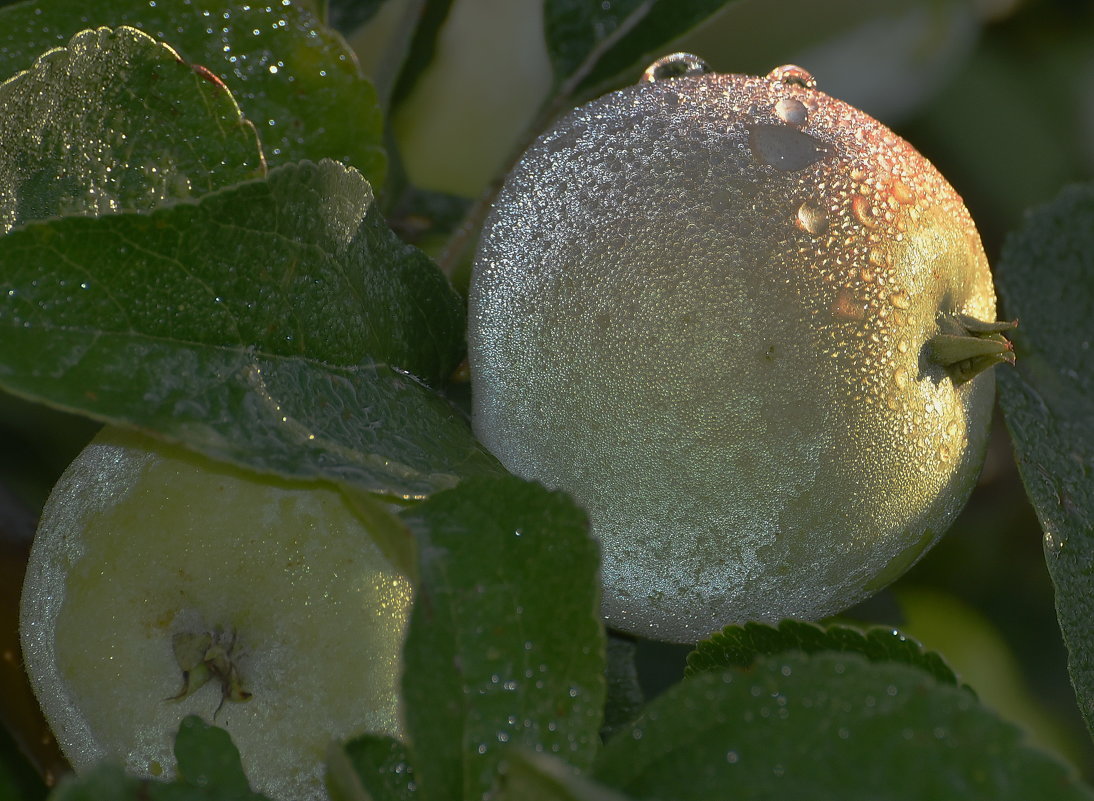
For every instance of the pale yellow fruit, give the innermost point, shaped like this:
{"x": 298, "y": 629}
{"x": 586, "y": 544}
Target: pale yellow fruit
{"x": 702, "y": 305}
{"x": 147, "y": 552}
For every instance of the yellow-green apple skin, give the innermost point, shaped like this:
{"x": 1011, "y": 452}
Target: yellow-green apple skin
{"x": 145, "y": 549}
{"x": 701, "y": 305}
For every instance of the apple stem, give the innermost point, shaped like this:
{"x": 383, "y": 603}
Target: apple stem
{"x": 965, "y": 346}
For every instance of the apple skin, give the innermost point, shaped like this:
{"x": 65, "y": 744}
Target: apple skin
{"x": 702, "y": 305}
{"x": 142, "y": 543}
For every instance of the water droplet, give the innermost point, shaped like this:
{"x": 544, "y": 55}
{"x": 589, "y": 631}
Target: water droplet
{"x": 1054, "y": 543}
{"x": 676, "y": 65}
{"x": 791, "y": 111}
{"x": 794, "y": 75}
{"x": 784, "y": 148}
{"x": 813, "y": 218}
{"x": 847, "y": 307}
{"x": 843, "y": 733}
{"x": 902, "y": 193}
{"x": 900, "y": 378}
{"x": 732, "y": 757}
{"x": 900, "y": 300}
{"x": 860, "y": 206}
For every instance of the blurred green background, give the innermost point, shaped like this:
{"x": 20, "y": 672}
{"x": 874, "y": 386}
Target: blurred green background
{"x": 999, "y": 94}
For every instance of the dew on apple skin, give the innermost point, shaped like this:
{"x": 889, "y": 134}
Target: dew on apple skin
{"x": 850, "y": 262}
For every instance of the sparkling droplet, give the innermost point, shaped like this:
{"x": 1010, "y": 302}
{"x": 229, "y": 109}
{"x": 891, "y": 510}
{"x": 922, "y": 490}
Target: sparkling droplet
{"x": 900, "y": 377}
{"x": 791, "y": 111}
{"x": 900, "y": 300}
{"x": 794, "y": 75}
{"x": 812, "y": 217}
{"x": 676, "y": 65}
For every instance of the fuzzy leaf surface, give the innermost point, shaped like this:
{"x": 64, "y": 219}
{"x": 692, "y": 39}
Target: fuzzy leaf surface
{"x": 505, "y": 645}
{"x": 531, "y": 776}
{"x": 1046, "y": 280}
{"x": 590, "y": 43}
{"x": 741, "y": 646}
{"x": 371, "y": 768}
{"x": 277, "y": 324}
{"x": 115, "y": 122}
{"x": 625, "y": 696}
{"x": 827, "y": 727}
{"x": 285, "y": 69}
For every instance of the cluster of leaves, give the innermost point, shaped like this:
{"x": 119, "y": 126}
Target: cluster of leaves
{"x": 193, "y": 244}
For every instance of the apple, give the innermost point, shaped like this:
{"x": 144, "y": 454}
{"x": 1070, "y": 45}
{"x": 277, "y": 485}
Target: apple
{"x": 162, "y": 584}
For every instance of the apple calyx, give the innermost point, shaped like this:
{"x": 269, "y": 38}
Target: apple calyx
{"x": 206, "y": 655}
{"x": 966, "y": 347}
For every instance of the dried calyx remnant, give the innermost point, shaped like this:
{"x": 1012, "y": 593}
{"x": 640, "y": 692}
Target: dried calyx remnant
{"x": 966, "y": 347}
{"x": 208, "y": 655}
{"x": 748, "y": 327}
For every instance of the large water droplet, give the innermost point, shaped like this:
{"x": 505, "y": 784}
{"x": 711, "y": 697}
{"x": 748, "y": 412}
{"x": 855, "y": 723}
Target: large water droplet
{"x": 676, "y": 65}
{"x": 812, "y": 217}
{"x": 785, "y": 148}
{"x": 900, "y": 300}
{"x": 792, "y": 112}
{"x": 794, "y": 75}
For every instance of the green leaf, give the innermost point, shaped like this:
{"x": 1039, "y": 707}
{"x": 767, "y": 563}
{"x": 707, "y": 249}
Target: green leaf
{"x": 1046, "y": 280}
{"x": 116, "y": 122}
{"x": 530, "y": 776}
{"x": 624, "y": 693}
{"x": 209, "y": 770}
{"x": 277, "y": 324}
{"x": 590, "y": 43}
{"x": 741, "y": 646}
{"x": 371, "y": 768}
{"x": 505, "y": 645}
{"x": 207, "y": 757}
{"x": 286, "y": 70}
{"x": 827, "y": 726}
